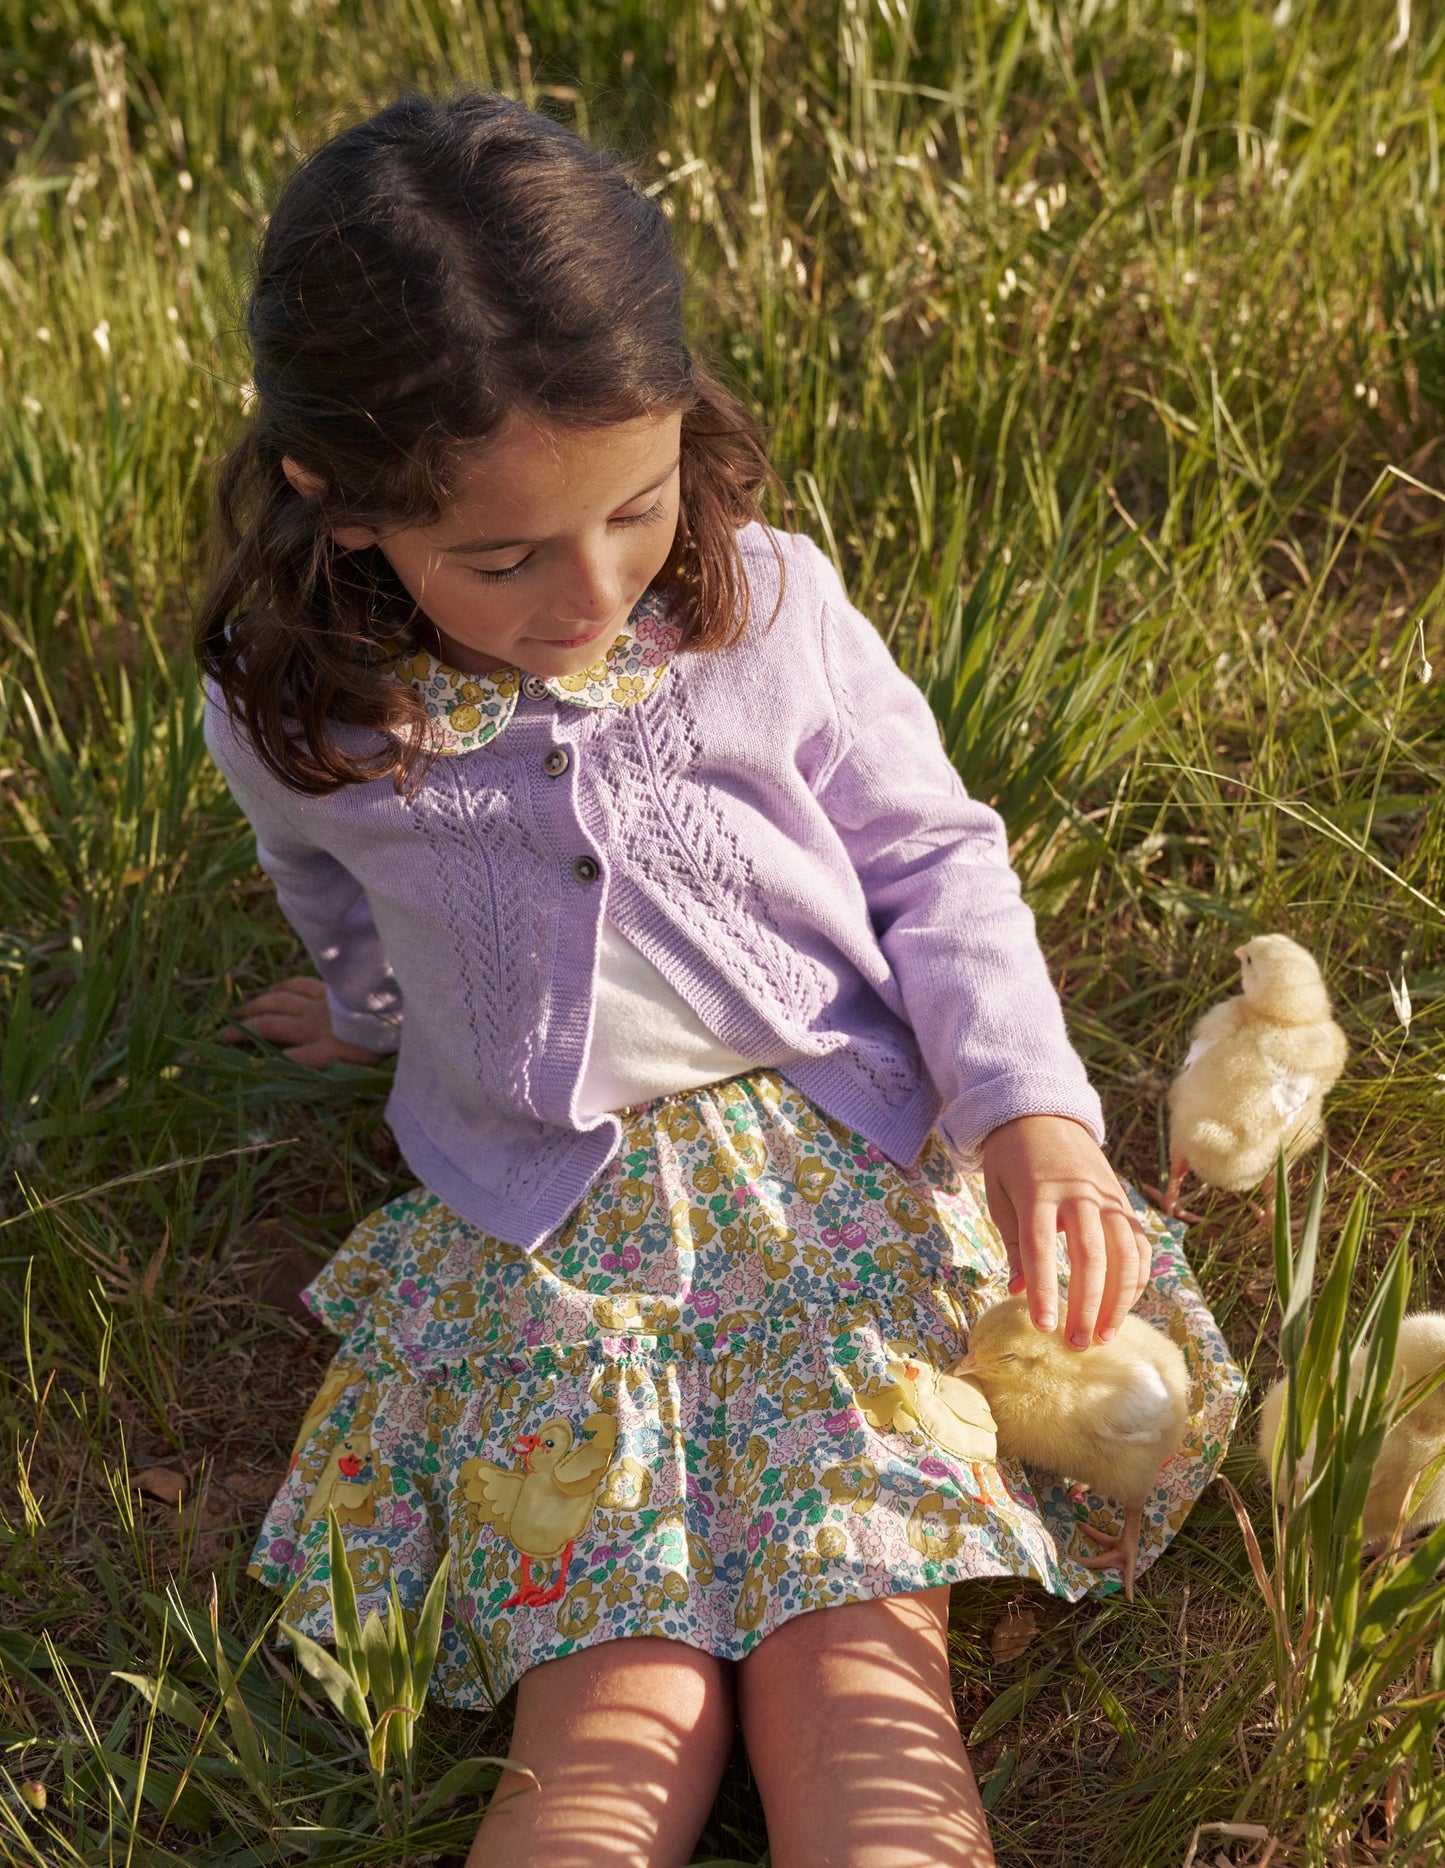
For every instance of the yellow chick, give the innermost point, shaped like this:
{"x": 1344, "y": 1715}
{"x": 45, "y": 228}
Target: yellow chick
{"x": 1255, "y": 1076}
{"x": 544, "y": 1508}
{"x": 1108, "y": 1416}
{"x": 1411, "y": 1445}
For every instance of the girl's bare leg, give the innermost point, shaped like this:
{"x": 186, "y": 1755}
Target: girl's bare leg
{"x": 854, "y": 1743}
{"x": 628, "y": 1740}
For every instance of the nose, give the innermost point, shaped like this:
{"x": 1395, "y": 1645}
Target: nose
{"x": 593, "y": 590}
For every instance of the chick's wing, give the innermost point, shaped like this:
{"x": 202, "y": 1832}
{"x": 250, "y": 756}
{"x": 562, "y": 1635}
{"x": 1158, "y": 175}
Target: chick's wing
{"x": 1137, "y": 1409}
{"x": 586, "y": 1463}
{"x": 490, "y": 1489}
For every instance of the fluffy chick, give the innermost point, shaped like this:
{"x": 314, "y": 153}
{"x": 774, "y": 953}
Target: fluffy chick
{"x": 1108, "y": 1416}
{"x": 1412, "y": 1443}
{"x": 1256, "y": 1074}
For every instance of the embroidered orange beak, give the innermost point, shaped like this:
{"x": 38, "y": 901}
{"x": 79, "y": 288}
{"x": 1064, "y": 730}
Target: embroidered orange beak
{"x": 911, "y": 1371}
{"x": 350, "y": 1465}
{"x": 526, "y": 1444}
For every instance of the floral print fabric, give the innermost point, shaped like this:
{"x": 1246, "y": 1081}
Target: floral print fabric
{"x": 715, "y": 1398}
{"x": 467, "y": 710}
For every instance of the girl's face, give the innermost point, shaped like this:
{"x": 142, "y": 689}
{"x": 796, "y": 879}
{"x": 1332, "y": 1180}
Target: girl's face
{"x": 554, "y": 535}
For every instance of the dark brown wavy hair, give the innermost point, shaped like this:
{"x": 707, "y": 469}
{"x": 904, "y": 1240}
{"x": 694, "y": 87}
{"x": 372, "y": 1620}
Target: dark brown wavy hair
{"x": 423, "y": 276}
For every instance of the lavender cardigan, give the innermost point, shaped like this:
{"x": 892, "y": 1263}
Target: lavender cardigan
{"x": 776, "y": 827}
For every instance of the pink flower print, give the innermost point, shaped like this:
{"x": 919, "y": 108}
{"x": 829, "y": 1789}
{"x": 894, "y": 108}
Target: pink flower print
{"x": 532, "y": 1332}
{"x": 755, "y": 1537}
{"x": 652, "y": 627}
{"x": 705, "y": 1303}
{"x": 935, "y": 1468}
{"x": 877, "y": 1579}
{"x": 843, "y": 1422}
{"x": 404, "y": 1517}
{"x": 628, "y": 1259}
{"x": 765, "y": 1523}
{"x": 703, "y": 1503}
{"x": 851, "y": 1236}
{"x": 411, "y": 1293}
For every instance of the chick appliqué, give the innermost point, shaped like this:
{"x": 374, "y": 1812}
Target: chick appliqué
{"x": 546, "y": 1506}
{"x": 948, "y": 1411}
{"x": 347, "y": 1484}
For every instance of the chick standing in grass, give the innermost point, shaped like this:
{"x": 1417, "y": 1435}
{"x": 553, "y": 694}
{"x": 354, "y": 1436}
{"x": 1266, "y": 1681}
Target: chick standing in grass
{"x": 1256, "y": 1074}
{"x": 1108, "y": 1416}
{"x": 1412, "y": 1444}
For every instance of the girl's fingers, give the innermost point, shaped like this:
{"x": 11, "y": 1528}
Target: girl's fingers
{"x": 1038, "y": 1255}
{"x": 1088, "y": 1271}
{"x": 1001, "y": 1212}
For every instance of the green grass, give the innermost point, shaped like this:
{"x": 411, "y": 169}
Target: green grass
{"x": 1104, "y": 347}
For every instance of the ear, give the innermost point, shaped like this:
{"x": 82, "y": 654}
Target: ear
{"x": 309, "y": 485}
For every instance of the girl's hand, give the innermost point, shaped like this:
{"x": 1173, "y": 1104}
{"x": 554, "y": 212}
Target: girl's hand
{"x": 295, "y": 1014}
{"x": 1044, "y": 1175}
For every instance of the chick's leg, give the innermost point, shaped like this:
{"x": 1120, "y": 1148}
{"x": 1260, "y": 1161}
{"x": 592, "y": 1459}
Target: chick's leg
{"x": 1116, "y": 1553}
{"x": 1168, "y": 1200}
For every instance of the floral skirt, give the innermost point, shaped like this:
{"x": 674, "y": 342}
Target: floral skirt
{"x": 716, "y": 1397}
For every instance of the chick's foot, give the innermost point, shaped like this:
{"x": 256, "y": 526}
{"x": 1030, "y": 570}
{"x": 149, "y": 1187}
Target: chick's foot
{"x": 1120, "y": 1552}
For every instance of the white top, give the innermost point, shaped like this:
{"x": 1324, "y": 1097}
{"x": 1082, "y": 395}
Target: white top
{"x": 646, "y": 1039}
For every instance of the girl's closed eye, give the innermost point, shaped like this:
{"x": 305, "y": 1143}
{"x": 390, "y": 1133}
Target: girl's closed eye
{"x": 651, "y": 516}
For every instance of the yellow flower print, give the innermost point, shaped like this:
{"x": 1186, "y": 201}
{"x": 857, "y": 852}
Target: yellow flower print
{"x": 749, "y": 1468}
{"x": 578, "y": 1610}
{"x": 778, "y": 1250}
{"x": 627, "y": 690}
{"x": 635, "y": 1200}
{"x": 463, "y": 719}
{"x": 369, "y": 1566}
{"x": 801, "y": 1396}
{"x": 706, "y": 1178}
{"x": 813, "y": 1178}
{"x": 471, "y": 691}
{"x": 699, "y": 1555}
{"x": 851, "y": 1482}
{"x": 677, "y": 1121}
{"x": 752, "y": 1603}
{"x": 777, "y": 1560}
{"x": 652, "y": 1598}
{"x": 817, "y": 1257}
{"x": 674, "y": 1587}
{"x": 937, "y": 1527}
{"x": 453, "y": 1302}
{"x": 829, "y": 1541}
{"x": 628, "y": 1486}
{"x": 906, "y": 1211}
{"x": 618, "y": 1589}
{"x": 608, "y": 1225}
{"x": 897, "y": 1255}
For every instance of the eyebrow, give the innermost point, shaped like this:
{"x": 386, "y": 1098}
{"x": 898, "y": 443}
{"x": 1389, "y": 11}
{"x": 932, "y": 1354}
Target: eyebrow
{"x": 506, "y": 544}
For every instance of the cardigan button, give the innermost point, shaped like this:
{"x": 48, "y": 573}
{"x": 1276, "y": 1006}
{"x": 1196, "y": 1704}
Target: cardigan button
{"x": 535, "y": 688}
{"x": 556, "y": 762}
{"x": 585, "y": 869}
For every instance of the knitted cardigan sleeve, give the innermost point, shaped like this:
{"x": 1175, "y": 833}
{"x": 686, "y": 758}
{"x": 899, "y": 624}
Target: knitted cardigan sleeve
{"x": 946, "y": 907}
{"x": 320, "y": 898}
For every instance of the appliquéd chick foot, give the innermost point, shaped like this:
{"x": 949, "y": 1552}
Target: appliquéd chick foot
{"x": 1119, "y": 1552}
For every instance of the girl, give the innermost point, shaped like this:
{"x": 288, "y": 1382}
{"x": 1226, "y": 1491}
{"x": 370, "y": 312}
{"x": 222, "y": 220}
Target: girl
{"x": 717, "y": 1012}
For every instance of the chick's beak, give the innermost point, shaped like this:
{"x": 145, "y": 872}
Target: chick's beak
{"x": 1239, "y": 953}
{"x": 526, "y": 1444}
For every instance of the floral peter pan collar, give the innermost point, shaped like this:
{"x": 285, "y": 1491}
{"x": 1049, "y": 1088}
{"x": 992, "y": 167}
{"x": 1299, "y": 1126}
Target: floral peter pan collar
{"x": 467, "y": 711}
